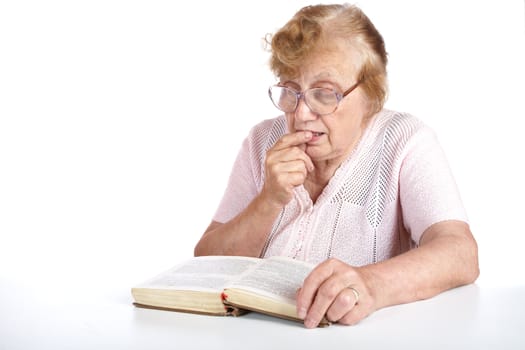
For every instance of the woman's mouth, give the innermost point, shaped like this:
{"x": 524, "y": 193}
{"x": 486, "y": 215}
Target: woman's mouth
{"x": 316, "y": 136}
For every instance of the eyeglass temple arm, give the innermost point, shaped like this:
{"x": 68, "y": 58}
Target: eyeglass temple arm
{"x": 352, "y": 88}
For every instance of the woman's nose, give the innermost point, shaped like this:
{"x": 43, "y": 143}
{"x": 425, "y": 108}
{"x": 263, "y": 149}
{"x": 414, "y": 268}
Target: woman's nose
{"x": 303, "y": 112}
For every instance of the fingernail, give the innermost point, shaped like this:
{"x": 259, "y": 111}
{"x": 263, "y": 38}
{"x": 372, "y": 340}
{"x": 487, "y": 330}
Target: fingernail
{"x": 307, "y": 135}
{"x": 301, "y": 313}
{"x": 309, "y": 323}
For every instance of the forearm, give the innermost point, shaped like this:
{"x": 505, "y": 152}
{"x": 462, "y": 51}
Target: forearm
{"x": 444, "y": 260}
{"x": 243, "y": 235}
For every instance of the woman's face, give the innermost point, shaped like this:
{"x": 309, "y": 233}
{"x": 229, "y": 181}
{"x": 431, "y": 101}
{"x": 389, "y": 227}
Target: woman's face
{"x": 335, "y": 134}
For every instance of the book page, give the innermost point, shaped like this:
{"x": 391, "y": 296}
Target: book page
{"x": 211, "y": 273}
{"x": 275, "y": 277}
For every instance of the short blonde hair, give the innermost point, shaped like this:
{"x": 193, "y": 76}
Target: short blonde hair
{"x": 313, "y": 26}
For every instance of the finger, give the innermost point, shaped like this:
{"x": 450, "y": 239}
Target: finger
{"x": 288, "y": 154}
{"x": 344, "y": 302}
{"x": 297, "y": 152}
{"x": 356, "y": 314}
{"x": 325, "y": 297}
{"x": 311, "y": 284}
{"x": 289, "y": 167}
{"x": 289, "y": 180}
{"x": 293, "y": 139}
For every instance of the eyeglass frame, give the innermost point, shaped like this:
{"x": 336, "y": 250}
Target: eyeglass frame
{"x": 300, "y": 95}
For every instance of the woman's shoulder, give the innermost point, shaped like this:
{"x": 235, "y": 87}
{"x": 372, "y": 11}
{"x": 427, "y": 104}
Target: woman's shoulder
{"x": 265, "y": 133}
{"x": 398, "y": 127}
{"x": 277, "y": 124}
{"x": 404, "y": 122}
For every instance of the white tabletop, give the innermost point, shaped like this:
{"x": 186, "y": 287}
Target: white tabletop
{"x": 470, "y": 317}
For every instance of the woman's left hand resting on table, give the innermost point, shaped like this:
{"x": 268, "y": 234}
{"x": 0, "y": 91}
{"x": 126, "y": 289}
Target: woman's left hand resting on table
{"x": 347, "y": 294}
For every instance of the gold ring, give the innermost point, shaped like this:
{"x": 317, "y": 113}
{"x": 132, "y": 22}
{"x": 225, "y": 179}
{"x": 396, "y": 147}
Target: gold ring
{"x": 356, "y": 293}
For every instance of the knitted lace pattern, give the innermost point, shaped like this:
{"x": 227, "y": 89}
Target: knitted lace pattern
{"x": 394, "y": 185}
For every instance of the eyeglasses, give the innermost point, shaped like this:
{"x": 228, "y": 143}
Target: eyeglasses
{"x": 321, "y": 101}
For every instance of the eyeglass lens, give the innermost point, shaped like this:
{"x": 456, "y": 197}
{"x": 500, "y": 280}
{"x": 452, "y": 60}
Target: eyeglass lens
{"x": 319, "y": 100}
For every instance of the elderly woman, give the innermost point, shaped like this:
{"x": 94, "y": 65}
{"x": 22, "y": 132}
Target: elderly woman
{"x": 363, "y": 192}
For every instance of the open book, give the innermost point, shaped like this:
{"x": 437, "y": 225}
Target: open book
{"x": 227, "y": 285}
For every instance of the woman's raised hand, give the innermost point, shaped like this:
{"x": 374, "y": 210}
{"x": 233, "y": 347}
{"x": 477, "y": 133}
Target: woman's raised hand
{"x": 286, "y": 166}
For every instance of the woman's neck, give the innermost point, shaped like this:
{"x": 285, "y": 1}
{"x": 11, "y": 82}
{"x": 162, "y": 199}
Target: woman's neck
{"x": 317, "y": 180}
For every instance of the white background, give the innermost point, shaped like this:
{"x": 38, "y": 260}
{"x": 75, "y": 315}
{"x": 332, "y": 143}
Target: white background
{"x": 120, "y": 120}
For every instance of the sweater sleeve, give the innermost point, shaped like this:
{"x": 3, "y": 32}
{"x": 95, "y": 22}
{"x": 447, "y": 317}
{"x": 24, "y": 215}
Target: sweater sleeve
{"x": 247, "y": 175}
{"x": 428, "y": 191}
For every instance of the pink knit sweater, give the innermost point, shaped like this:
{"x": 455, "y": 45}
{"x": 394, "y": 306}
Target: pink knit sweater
{"x": 394, "y": 185}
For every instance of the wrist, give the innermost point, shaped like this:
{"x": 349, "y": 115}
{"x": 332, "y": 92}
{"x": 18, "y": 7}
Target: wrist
{"x": 267, "y": 202}
{"x": 375, "y": 286}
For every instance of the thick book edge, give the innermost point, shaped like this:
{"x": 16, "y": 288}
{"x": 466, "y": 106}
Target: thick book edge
{"x": 324, "y": 322}
{"x": 229, "y": 310}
